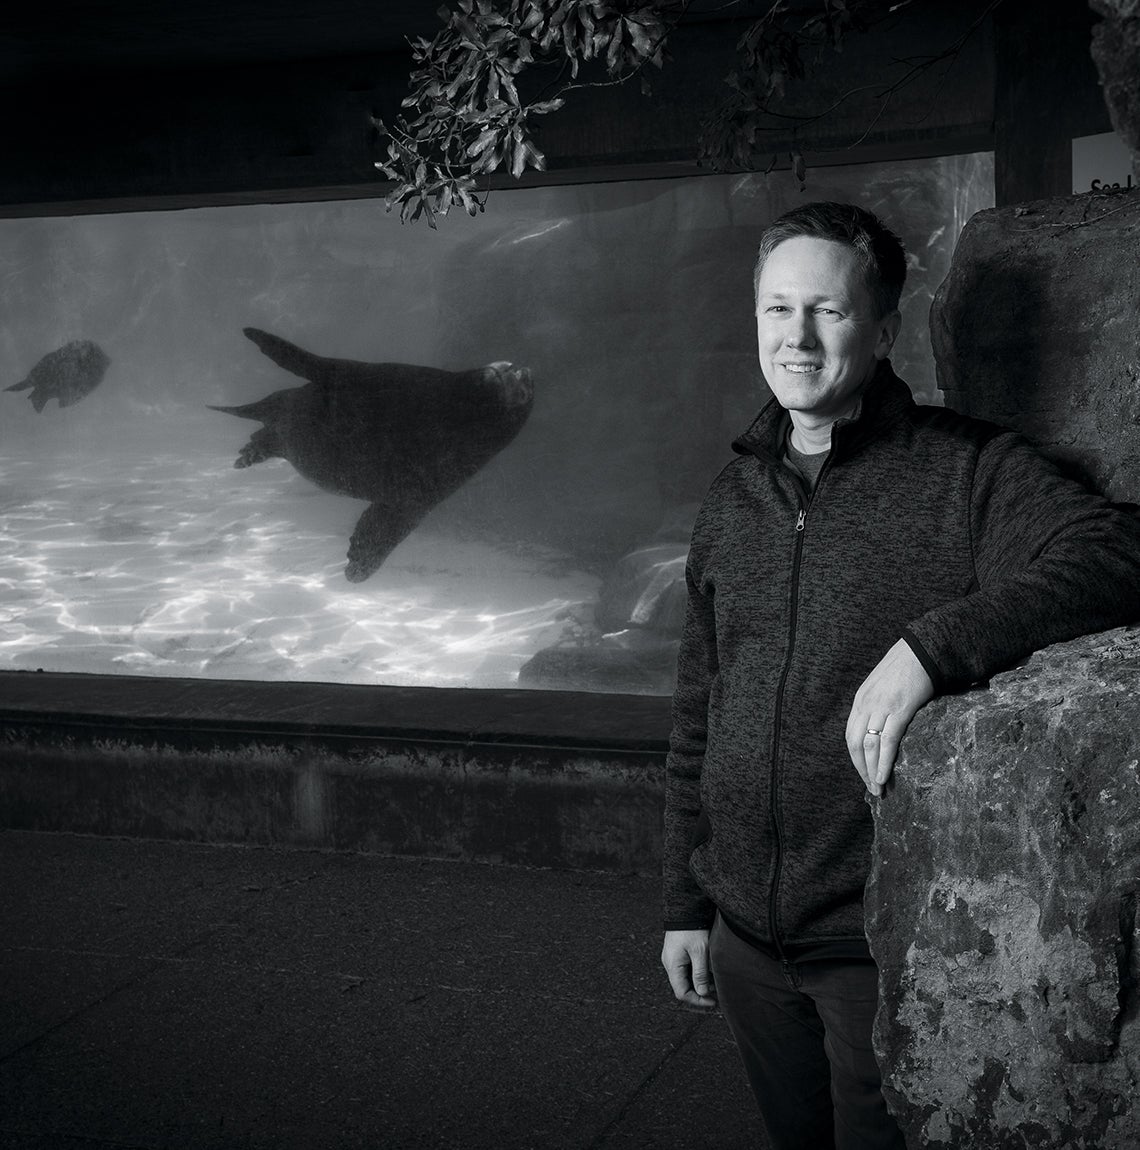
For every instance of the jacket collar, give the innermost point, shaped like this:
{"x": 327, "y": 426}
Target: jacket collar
{"x": 884, "y": 399}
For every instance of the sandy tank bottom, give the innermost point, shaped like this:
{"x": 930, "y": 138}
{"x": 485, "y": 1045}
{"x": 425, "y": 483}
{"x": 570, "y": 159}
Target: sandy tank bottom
{"x": 157, "y": 563}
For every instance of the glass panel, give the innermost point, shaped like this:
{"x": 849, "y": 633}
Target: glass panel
{"x": 129, "y": 542}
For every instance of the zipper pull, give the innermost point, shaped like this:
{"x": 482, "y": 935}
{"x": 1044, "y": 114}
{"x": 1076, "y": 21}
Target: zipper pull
{"x": 800, "y": 521}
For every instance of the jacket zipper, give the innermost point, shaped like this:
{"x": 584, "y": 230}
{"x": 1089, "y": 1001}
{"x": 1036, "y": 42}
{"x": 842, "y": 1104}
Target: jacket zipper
{"x": 773, "y": 796}
{"x": 806, "y": 498}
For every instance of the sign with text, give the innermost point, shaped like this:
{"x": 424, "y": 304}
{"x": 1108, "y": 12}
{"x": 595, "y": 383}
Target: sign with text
{"x": 1101, "y": 162}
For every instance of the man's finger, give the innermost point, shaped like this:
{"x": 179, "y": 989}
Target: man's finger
{"x": 888, "y": 752}
{"x": 864, "y": 744}
{"x": 855, "y": 733}
{"x": 679, "y": 980}
{"x": 702, "y": 977}
{"x": 683, "y": 989}
{"x": 872, "y": 745}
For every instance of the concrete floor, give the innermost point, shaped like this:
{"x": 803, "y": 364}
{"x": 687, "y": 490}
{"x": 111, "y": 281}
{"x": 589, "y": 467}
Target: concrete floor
{"x": 159, "y": 994}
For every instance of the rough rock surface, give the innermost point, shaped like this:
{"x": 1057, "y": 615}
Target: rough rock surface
{"x": 1116, "y": 53}
{"x": 1036, "y": 328}
{"x": 1002, "y": 908}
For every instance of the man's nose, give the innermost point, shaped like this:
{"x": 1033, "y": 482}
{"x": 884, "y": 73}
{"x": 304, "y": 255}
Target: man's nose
{"x": 801, "y": 330}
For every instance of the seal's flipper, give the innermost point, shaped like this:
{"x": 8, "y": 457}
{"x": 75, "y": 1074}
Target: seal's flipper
{"x": 378, "y": 530}
{"x": 262, "y": 409}
{"x": 262, "y": 445}
{"x": 285, "y": 354}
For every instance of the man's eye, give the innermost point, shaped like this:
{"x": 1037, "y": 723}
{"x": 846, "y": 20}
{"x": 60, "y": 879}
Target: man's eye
{"x": 826, "y": 311}
{"x": 775, "y": 307}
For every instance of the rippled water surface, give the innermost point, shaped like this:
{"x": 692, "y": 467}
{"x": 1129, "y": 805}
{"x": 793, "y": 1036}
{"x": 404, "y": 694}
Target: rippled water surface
{"x": 171, "y": 563}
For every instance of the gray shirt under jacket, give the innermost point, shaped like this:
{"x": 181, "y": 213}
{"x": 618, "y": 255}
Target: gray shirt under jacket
{"x": 948, "y": 532}
{"x": 807, "y": 465}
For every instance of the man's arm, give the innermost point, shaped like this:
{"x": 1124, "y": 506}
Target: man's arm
{"x": 688, "y": 912}
{"x": 1053, "y": 561}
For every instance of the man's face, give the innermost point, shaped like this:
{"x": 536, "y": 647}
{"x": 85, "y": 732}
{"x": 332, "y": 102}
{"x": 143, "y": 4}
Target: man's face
{"x": 819, "y": 338}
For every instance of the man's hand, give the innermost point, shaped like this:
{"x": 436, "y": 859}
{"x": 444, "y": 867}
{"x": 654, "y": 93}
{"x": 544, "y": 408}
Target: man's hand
{"x": 685, "y": 953}
{"x": 890, "y": 696}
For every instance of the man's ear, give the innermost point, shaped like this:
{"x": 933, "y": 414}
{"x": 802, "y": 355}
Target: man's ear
{"x": 888, "y": 332}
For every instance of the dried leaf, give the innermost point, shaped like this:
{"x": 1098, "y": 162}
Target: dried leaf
{"x": 638, "y": 37}
{"x": 543, "y": 107}
{"x": 518, "y": 160}
{"x": 613, "y": 53}
{"x": 484, "y": 141}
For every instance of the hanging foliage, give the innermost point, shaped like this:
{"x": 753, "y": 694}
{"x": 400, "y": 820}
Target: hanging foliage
{"x": 467, "y": 118}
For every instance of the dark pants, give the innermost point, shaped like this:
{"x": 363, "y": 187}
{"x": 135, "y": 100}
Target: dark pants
{"x": 804, "y": 1034}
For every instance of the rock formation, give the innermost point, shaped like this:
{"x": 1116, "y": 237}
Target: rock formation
{"x": 1002, "y": 904}
{"x": 1036, "y": 327}
{"x": 1116, "y": 53}
{"x": 1002, "y": 909}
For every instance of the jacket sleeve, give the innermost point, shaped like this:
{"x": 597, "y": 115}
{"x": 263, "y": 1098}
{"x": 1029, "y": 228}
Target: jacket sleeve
{"x": 1052, "y": 561}
{"x": 686, "y": 907}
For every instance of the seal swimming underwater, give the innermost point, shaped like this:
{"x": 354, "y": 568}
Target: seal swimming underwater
{"x": 401, "y": 436}
{"x": 67, "y": 374}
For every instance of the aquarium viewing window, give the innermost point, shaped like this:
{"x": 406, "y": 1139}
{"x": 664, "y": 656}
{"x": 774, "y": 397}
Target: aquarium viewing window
{"x": 518, "y": 500}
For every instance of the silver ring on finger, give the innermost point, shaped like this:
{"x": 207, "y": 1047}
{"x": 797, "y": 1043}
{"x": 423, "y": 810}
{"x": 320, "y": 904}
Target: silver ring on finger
{"x": 874, "y": 731}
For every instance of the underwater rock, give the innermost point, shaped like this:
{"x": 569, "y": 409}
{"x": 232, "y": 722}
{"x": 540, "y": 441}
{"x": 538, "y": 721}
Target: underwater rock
{"x": 67, "y": 374}
{"x": 631, "y": 663}
{"x": 1001, "y": 908}
{"x": 646, "y": 589}
{"x": 637, "y": 622}
{"x": 401, "y": 436}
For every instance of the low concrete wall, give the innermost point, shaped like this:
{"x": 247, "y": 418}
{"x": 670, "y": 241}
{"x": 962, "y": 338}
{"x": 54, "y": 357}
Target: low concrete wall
{"x": 538, "y": 778}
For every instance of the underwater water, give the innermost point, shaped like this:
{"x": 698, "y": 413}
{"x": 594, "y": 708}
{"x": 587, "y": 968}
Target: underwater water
{"x": 149, "y": 561}
{"x": 130, "y": 543}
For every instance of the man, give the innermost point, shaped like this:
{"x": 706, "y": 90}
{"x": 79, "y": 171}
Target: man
{"x": 859, "y": 555}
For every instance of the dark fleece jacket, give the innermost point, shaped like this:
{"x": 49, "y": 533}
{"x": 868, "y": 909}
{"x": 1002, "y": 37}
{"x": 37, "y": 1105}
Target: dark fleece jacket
{"x": 946, "y": 531}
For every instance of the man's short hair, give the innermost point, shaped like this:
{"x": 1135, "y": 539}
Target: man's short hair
{"x": 880, "y": 251}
